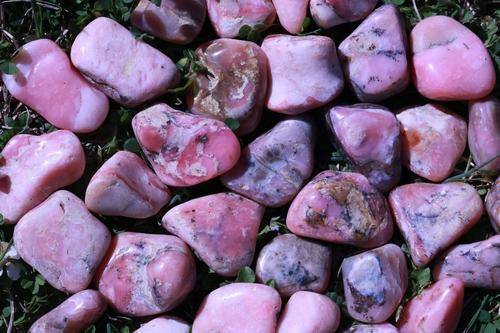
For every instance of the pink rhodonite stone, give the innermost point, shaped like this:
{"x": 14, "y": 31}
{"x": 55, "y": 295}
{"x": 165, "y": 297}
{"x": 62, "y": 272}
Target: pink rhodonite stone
{"x": 433, "y": 140}
{"x": 374, "y": 283}
{"x": 62, "y": 241}
{"x": 341, "y": 207}
{"x": 329, "y": 13}
{"x": 370, "y": 137}
{"x": 305, "y": 72}
{"x": 291, "y": 14}
{"x": 431, "y": 217}
{"x": 377, "y": 328}
{"x": 50, "y": 85}
{"x": 239, "y": 308}
{"x": 145, "y": 274}
{"x": 164, "y": 325}
{"x": 125, "y": 186}
{"x": 33, "y": 167}
{"x": 374, "y": 56}
{"x": 492, "y": 204}
{"x": 446, "y": 55}
{"x": 222, "y": 228}
{"x": 128, "y": 70}
{"x": 185, "y": 149}
{"x": 273, "y": 168}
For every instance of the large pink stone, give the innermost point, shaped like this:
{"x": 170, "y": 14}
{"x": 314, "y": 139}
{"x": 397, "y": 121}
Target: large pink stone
{"x": 62, "y": 241}
{"x": 446, "y": 55}
{"x": 33, "y": 167}
{"x": 374, "y": 283}
{"x": 145, "y": 274}
{"x": 431, "y": 217}
{"x": 341, "y": 207}
{"x": 164, "y": 324}
{"x": 185, "y": 149}
{"x": 304, "y": 72}
{"x": 291, "y": 14}
{"x": 222, "y": 228}
{"x": 126, "y": 69}
{"x": 239, "y": 308}
{"x": 125, "y": 186}
{"x": 376, "y": 328}
{"x": 50, "y": 85}
{"x": 433, "y": 140}
{"x": 492, "y": 204}
{"x": 329, "y": 13}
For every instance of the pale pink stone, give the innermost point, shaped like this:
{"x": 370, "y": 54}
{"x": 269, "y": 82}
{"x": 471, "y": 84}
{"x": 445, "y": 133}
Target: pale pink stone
{"x": 125, "y": 186}
{"x": 50, "y": 85}
{"x": 185, "y": 149}
{"x": 446, "y": 55}
{"x": 165, "y": 324}
{"x": 126, "y": 69}
{"x": 62, "y": 241}
{"x": 492, "y": 204}
{"x": 377, "y": 328}
{"x": 291, "y": 14}
{"x": 33, "y": 167}
{"x": 329, "y": 13}
{"x": 239, "y": 308}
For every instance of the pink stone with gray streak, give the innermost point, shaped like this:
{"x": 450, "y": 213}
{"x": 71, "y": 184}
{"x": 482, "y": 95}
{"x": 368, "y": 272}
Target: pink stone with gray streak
{"x": 165, "y": 324}
{"x": 492, "y": 204}
{"x": 291, "y": 14}
{"x": 376, "y": 328}
{"x": 329, "y": 13}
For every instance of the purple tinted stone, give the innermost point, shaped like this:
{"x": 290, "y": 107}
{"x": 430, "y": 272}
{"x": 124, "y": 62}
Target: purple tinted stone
{"x": 492, "y": 203}
{"x": 329, "y": 13}
{"x": 377, "y": 328}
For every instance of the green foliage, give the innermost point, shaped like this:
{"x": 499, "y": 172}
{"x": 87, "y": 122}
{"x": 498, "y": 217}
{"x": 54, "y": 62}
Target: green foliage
{"x": 233, "y": 124}
{"x": 252, "y": 34}
{"x": 246, "y": 274}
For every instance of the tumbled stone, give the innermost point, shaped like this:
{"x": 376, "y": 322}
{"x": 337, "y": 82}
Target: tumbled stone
{"x": 329, "y": 13}
{"x": 125, "y": 186}
{"x": 48, "y": 83}
{"x": 273, "y": 168}
{"x": 33, "y": 167}
{"x": 341, "y": 207}
{"x": 377, "y": 328}
{"x": 62, "y": 241}
{"x": 185, "y": 149}
{"x": 145, "y": 274}
{"x": 369, "y": 136}
{"x": 222, "y": 228}
{"x": 433, "y": 140}
{"x": 374, "y": 56}
{"x": 492, "y": 204}
{"x": 446, "y": 55}
{"x": 164, "y": 324}
{"x": 304, "y": 72}
{"x": 374, "y": 283}
{"x": 291, "y": 14}
{"x": 126, "y": 69}
{"x": 431, "y": 217}
{"x": 239, "y": 308}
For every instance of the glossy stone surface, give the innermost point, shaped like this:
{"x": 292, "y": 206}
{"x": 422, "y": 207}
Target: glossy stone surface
{"x": 33, "y": 167}
{"x": 377, "y": 328}
{"x": 48, "y": 83}
{"x": 62, "y": 241}
{"x": 222, "y": 228}
{"x": 291, "y": 14}
{"x": 185, "y": 149}
{"x": 431, "y": 217}
{"x": 492, "y": 204}
{"x": 341, "y": 207}
{"x": 329, "y": 13}
{"x": 164, "y": 324}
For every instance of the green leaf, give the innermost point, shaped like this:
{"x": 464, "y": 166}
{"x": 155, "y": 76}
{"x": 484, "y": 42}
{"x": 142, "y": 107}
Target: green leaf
{"x": 6, "y": 311}
{"x": 421, "y": 278}
{"x": 271, "y": 283}
{"x": 246, "y": 274}
{"x": 232, "y": 123}
{"x": 396, "y": 2}
{"x": 484, "y": 316}
{"x": 90, "y": 329}
{"x": 244, "y": 31}
{"x": 132, "y": 145}
{"x": 490, "y": 328}
{"x": 306, "y": 24}
{"x": 1, "y": 216}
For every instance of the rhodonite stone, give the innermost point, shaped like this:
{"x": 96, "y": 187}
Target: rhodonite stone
{"x": 145, "y": 274}
{"x": 126, "y": 69}
{"x": 446, "y": 55}
{"x": 239, "y": 308}
{"x": 291, "y": 14}
{"x": 185, "y": 149}
{"x": 377, "y": 328}
{"x": 341, "y": 207}
{"x": 304, "y": 72}
{"x": 433, "y": 140}
{"x": 234, "y": 85}
{"x": 374, "y": 283}
{"x": 329, "y": 13}
{"x": 374, "y": 56}
{"x": 164, "y": 324}
{"x": 273, "y": 168}
{"x": 33, "y": 167}
{"x": 431, "y": 217}
{"x": 295, "y": 264}
{"x": 222, "y": 228}
{"x": 369, "y": 135}
{"x": 492, "y": 204}
{"x": 48, "y": 83}
{"x": 62, "y": 241}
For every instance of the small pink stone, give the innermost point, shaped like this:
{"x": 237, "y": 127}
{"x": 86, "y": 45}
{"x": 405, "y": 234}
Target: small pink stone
{"x": 377, "y": 328}
{"x": 492, "y": 204}
{"x": 165, "y": 324}
{"x": 291, "y": 14}
{"x": 329, "y": 13}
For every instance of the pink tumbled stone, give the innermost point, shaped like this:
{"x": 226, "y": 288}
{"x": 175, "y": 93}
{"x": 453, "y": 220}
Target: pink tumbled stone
{"x": 376, "y": 328}
{"x": 48, "y": 83}
{"x": 431, "y": 217}
{"x": 433, "y": 140}
{"x": 164, "y": 324}
{"x": 291, "y": 14}
{"x": 305, "y": 72}
{"x": 33, "y": 167}
{"x": 446, "y": 55}
{"x": 126, "y": 69}
{"x": 185, "y": 149}
{"x": 222, "y": 228}
{"x": 492, "y": 204}
{"x": 374, "y": 283}
{"x": 145, "y": 274}
{"x": 62, "y": 241}
{"x": 329, "y": 13}
{"x": 341, "y": 207}
{"x": 125, "y": 186}
{"x": 239, "y": 308}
